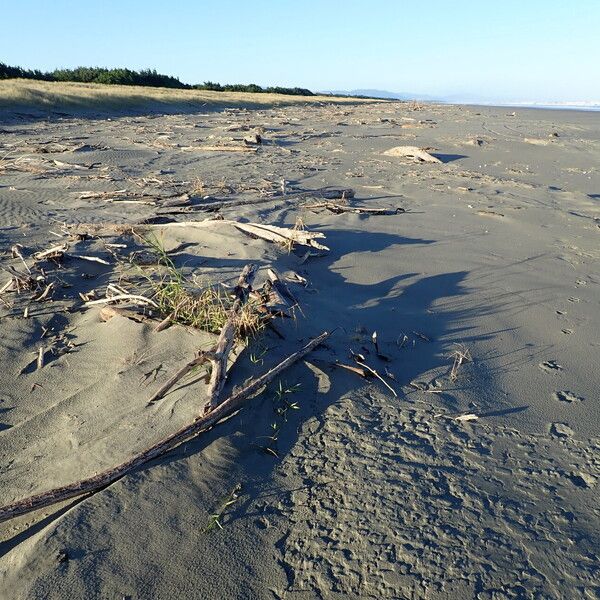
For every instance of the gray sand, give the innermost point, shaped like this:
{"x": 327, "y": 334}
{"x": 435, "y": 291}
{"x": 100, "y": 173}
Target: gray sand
{"x": 367, "y": 495}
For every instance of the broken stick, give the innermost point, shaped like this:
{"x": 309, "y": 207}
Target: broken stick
{"x": 220, "y": 354}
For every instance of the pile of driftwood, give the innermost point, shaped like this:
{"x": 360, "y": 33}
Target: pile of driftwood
{"x": 215, "y": 409}
{"x": 214, "y": 204}
{"x": 287, "y": 236}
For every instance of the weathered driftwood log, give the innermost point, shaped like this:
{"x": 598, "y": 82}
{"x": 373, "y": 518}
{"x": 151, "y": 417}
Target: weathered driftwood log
{"x": 419, "y": 154}
{"x": 283, "y": 235}
{"x": 271, "y": 233}
{"x": 135, "y": 298}
{"x": 219, "y": 356}
{"x": 219, "y": 148}
{"x": 334, "y": 207}
{"x": 105, "y": 478}
{"x": 214, "y": 204}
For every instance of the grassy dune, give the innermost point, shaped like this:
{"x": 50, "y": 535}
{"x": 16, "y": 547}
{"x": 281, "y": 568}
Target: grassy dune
{"x": 94, "y": 96}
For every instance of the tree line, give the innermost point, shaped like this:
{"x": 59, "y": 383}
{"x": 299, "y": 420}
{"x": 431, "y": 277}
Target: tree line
{"x": 145, "y": 77}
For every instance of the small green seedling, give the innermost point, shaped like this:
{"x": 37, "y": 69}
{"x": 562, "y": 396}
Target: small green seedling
{"x": 217, "y": 518}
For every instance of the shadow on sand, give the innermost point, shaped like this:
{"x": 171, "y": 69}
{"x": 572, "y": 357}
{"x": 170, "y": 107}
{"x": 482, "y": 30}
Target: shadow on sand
{"x": 393, "y": 306}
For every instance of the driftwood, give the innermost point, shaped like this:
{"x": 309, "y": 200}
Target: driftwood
{"x": 66, "y": 165}
{"x": 21, "y": 281}
{"x": 16, "y": 253}
{"x": 219, "y": 355}
{"x": 130, "y": 297}
{"x": 200, "y": 358}
{"x": 377, "y": 350}
{"x": 95, "y": 259}
{"x": 54, "y": 253}
{"x": 105, "y": 478}
{"x": 419, "y": 154}
{"x": 40, "y": 358}
{"x": 283, "y": 235}
{"x": 218, "y": 148}
{"x": 281, "y": 289}
{"x": 46, "y": 293}
{"x": 294, "y": 277}
{"x": 124, "y": 196}
{"x": 337, "y": 208}
{"x": 271, "y": 233}
{"x": 359, "y": 360}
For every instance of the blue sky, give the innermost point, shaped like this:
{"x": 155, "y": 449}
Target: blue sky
{"x": 542, "y": 50}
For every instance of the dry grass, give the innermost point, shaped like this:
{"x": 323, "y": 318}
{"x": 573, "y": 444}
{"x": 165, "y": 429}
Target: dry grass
{"x": 207, "y": 309}
{"x": 45, "y": 94}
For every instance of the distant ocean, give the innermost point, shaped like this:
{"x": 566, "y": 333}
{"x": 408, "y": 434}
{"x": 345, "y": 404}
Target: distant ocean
{"x": 591, "y": 106}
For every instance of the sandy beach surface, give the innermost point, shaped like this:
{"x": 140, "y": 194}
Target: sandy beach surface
{"x": 469, "y": 469}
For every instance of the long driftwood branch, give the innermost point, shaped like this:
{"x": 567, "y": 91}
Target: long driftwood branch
{"x": 337, "y": 208}
{"x": 275, "y": 234}
{"x": 105, "y": 478}
{"x": 215, "y": 204}
{"x": 228, "y": 148}
{"x": 220, "y": 354}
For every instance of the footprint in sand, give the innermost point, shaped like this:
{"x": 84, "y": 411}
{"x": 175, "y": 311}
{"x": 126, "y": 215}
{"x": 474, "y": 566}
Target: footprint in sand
{"x": 567, "y": 396}
{"x": 550, "y": 366}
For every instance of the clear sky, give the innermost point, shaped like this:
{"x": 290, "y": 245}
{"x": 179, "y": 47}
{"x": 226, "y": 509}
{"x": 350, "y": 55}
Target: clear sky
{"x": 542, "y": 50}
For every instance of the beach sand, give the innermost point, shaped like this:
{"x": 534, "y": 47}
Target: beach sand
{"x": 363, "y": 493}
